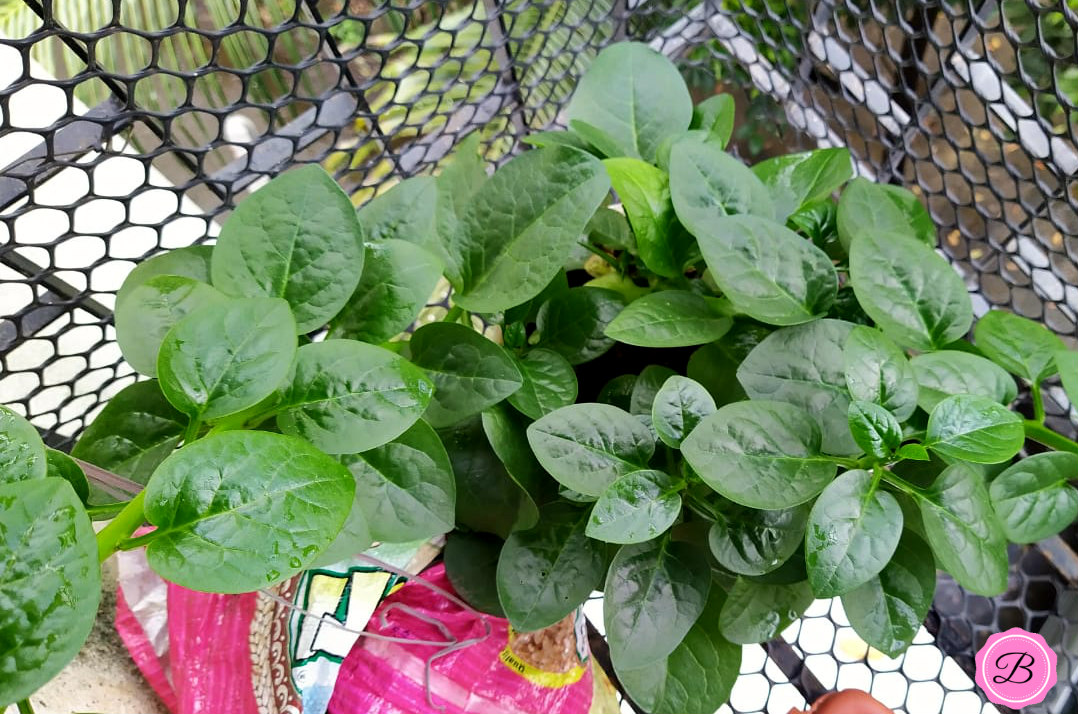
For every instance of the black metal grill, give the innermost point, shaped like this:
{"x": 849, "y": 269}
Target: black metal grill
{"x": 130, "y": 127}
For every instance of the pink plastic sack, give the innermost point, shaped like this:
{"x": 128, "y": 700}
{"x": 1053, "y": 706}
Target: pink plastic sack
{"x": 503, "y": 673}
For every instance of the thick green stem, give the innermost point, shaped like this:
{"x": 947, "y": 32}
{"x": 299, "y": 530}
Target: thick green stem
{"x": 122, "y": 526}
{"x": 901, "y": 484}
{"x": 1043, "y": 435}
{"x": 1038, "y": 403}
{"x": 843, "y": 461}
{"x": 25, "y": 707}
{"x": 192, "y": 431}
{"x": 454, "y": 314}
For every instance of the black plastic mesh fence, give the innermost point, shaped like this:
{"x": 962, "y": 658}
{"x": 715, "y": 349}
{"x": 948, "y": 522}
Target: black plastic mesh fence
{"x": 132, "y": 126}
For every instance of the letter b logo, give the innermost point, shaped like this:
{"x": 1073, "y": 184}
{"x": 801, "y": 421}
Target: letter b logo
{"x": 1016, "y": 668}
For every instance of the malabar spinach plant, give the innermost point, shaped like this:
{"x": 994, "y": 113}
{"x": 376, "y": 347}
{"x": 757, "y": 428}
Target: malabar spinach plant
{"x": 776, "y": 399}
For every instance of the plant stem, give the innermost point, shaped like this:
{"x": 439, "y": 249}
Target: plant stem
{"x": 454, "y": 314}
{"x": 843, "y": 461}
{"x": 191, "y": 433}
{"x": 901, "y": 484}
{"x": 1038, "y": 403}
{"x": 122, "y": 526}
{"x": 1043, "y": 435}
{"x": 25, "y": 707}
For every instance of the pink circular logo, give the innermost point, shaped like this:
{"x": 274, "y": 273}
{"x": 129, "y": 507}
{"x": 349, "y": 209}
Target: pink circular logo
{"x": 1016, "y": 668}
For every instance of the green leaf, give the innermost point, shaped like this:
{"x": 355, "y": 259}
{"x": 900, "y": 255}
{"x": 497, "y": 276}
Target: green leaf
{"x": 150, "y": 311}
{"x": 913, "y": 452}
{"x": 555, "y": 138}
{"x": 1033, "y": 498}
{"x": 646, "y": 387}
{"x": 747, "y": 541}
{"x": 803, "y": 365}
{"x": 348, "y": 396}
{"x": 887, "y": 611}
{"x": 767, "y": 271}
{"x": 874, "y": 429}
{"x": 853, "y": 530}
{"x": 1067, "y": 365}
{"x": 471, "y": 564}
{"x": 637, "y": 507}
{"x": 398, "y": 279}
{"x": 574, "y": 323}
{"x": 706, "y": 183}
{"x": 644, "y": 191}
{"x": 761, "y": 454}
{"x": 506, "y": 431}
{"x": 758, "y": 612}
{"x": 868, "y": 209}
{"x": 796, "y": 180}
{"x": 715, "y": 365}
{"x": 655, "y": 592}
{"x": 404, "y": 212}
{"x": 549, "y": 383}
{"x": 470, "y": 372}
{"x": 600, "y": 143}
{"x": 547, "y": 572}
{"x": 974, "y": 429}
{"x": 1018, "y": 344}
{"x": 680, "y": 404}
{"x": 50, "y": 582}
{"x": 242, "y": 510}
{"x": 618, "y": 392}
{"x": 405, "y": 488}
{"x": 878, "y": 371}
{"x": 634, "y": 95}
{"x": 586, "y": 447}
{"x": 669, "y": 318}
{"x": 190, "y": 262}
{"x": 610, "y": 229}
{"x": 521, "y": 223}
{"x": 224, "y": 358}
{"x": 22, "y": 453}
{"x": 134, "y": 433}
{"x": 697, "y": 676}
{"x": 951, "y": 372}
{"x": 909, "y": 291}
{"x": 488, "y": 498}
{"x": 60, "y": 465}
{"x": 716, "y": 115}
{"x": 295, "y": 238}
{"x": 460, "y": 178}
{"x": 526, "y": 312}
{"x": 963, "y": 531}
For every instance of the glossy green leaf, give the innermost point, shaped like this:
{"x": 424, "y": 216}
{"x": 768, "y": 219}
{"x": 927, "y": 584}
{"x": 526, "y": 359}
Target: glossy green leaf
{"x": 669, "y": 318}
{"x": 1017, "y": 344}
{"x": 974, "y": 429}
{"x": 521, "y": 223}
{"x": 963, "y": 530}
{"x": 706, "y": 183}
{"x": 60, "y": 465}
{"x": 878, "y": 371}
{"x": 22, "y": 453}
{"x": 950, "y": 372}
{"x": 610, "y": 229}
{"x": 190, "y": 262}
{"x": 224, "y": 358}
{"x": 574, "y": 323}
{"x": 716, "y": 115}
{"x": 405, "y": 488}
{"x": 1067, "y": 364}
{"x": 295, "y": 238}
{"x": 1034, "y": 499}
{"x": 887, "y": 611}
{"x": 398, "y": 279}
{"x": 348, "y": 396}
{"x": 470, "y": 372}
{"x": 549, "y": 383}
{"x": 747, "y": 541}
{"x": 558, "y": 137}
{"x": 875, "y": 429}
{"x": 587, "y": 446}
{"x": 637, "y": 507}
{"x": 618, "y": 392}
{"x": 646, "y": 387}
{"x": 546, "y": 572}
{"x": 404, "y": 212}
{"x": 506, "y": 432}
{"x": 635, "y": 95}
{"x": 758, "y": 612}
{"x": 867, "y": 208}
{"x": 644, "y": 191}
{"x": 761, "y": 454}
{"x": 50, "y": 583}
{"x": 471, "y": 564}
{"x": 150, "y": 311}
{"x": 655, "y": 592}
{"x": 715, "y": 365}
{"x": 914, "y": 452}
{"x": 600, "y": 142}
{"x": 134, "y": 433}
{"x": 853, "y": 530}
{"x": 803, "y": 365}
{"x": 767, "y": 271}
{"x": 460, "y": 178}
{"x": 909, "y": 291}
{"x": 680, "y": 404}
{"x": 242, "y": 510}
{"x": 697, "y": 676}
{"x": 796, "y": 180}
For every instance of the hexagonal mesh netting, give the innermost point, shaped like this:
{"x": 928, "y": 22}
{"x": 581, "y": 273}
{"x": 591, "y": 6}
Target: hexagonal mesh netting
{"x": 127, "y": 128}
